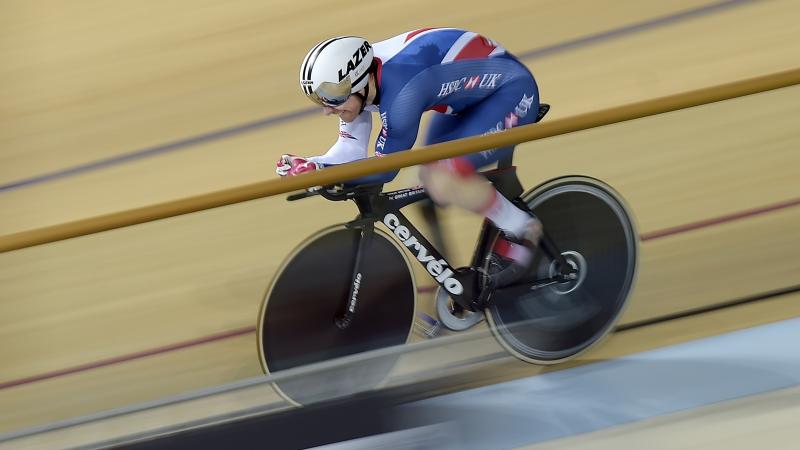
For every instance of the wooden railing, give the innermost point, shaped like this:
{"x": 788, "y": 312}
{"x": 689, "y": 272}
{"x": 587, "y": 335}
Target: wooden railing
{"x": 398, "y": 160}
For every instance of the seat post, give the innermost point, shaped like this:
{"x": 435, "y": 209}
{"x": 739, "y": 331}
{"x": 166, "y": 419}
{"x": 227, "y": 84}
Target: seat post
{"x": 506, "y": 162}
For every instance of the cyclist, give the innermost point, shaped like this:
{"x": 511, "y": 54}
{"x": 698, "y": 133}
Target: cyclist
{"x": 471, "y": 84}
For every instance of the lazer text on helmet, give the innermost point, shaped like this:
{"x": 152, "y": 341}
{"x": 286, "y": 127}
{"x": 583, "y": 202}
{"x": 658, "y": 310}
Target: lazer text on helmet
{"x": 437, "y": 268}
{"x": 358, "y": 55}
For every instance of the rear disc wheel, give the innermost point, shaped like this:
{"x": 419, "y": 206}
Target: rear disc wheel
{"x": 590, "y": 224}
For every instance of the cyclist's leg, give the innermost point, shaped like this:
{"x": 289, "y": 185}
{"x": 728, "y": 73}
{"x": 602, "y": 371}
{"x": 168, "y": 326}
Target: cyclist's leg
{"x": 428, "y": 208}
{"x": 454, "y": 181}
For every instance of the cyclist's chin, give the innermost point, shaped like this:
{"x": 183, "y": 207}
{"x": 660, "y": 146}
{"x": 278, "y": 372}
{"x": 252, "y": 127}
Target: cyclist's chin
{"x": 348, "y": 116}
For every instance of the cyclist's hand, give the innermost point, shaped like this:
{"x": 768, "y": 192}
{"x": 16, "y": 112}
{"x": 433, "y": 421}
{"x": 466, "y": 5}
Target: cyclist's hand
{"x": 294, "y": 165}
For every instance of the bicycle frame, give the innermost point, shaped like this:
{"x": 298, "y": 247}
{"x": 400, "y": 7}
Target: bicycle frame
{"x": 385, "y": 207}
{"x": 462, "y": 284}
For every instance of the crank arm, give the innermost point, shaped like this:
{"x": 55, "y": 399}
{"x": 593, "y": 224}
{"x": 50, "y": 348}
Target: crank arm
{"x": 558, "y": 279}
{"x": 520, "y": 289}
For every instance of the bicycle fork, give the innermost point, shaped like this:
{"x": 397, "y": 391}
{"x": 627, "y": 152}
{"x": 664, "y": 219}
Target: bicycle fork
{"x": 343, "y": 320}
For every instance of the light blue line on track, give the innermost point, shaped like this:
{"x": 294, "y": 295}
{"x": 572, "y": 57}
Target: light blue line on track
{"x": 606, "y": 394}
{"x": 271, "y": 121}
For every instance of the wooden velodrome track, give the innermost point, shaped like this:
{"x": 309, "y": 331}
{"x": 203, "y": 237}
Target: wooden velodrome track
{"x": 149, "y": 103}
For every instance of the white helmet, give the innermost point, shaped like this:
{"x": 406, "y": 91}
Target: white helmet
{"x": 336, "y": 68}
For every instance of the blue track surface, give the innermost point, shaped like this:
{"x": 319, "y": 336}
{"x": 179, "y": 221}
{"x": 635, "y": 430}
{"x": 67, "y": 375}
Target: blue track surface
{"x": 602, "y": 395}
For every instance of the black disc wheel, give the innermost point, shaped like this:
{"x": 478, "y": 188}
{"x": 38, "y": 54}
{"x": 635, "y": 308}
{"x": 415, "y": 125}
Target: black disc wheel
{"x": 297, "y": 323}
{"x": 592, "y": 228}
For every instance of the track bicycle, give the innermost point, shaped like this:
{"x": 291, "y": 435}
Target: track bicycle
{"x": 361, "y": 294}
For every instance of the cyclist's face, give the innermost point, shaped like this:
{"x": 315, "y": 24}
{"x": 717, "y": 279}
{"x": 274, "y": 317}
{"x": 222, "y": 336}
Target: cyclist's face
{"x": 347, "y": 111}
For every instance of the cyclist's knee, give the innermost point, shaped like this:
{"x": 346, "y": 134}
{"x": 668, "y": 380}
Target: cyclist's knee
{"x": 455, "y": 181}
{"x": 461, "y": 167}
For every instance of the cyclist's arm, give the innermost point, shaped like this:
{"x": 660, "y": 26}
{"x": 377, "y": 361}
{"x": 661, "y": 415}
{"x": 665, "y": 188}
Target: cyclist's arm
{"x": 389, "y": 141}
{"x": 394, "y": 137}
{"x": 352, "y": 143}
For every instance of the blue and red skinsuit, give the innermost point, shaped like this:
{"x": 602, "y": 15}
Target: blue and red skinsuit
{"x": 474, "y": 86}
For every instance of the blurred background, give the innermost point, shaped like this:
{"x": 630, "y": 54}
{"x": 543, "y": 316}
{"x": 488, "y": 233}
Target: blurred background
{"x": 105, "y": 107}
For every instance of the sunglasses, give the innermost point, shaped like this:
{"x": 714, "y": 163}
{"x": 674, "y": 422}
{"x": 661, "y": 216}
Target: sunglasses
{"x": 332, "y": 94}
